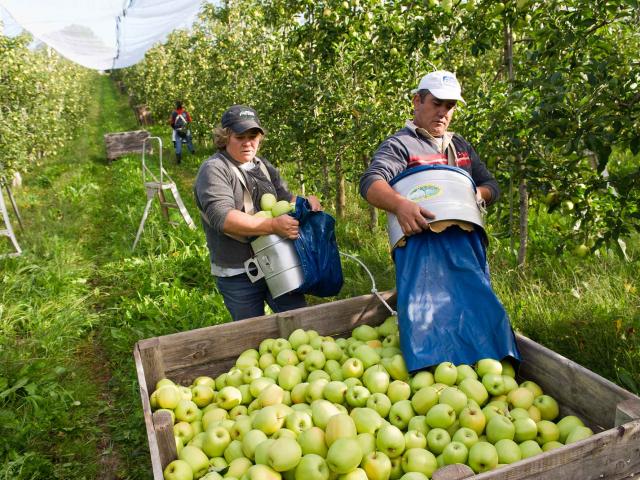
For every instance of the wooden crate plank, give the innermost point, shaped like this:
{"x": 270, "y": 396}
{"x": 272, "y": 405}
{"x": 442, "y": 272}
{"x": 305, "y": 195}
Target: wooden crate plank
{"x": 164, "y": 436}
{"x": 627, "y": 411}
{"x": 152, "y": 361}
{"x": 590, "y": 396}
{"x": 613, "y": 454}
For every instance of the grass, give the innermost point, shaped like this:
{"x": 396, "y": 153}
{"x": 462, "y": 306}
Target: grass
{"x": 73, "y": 306}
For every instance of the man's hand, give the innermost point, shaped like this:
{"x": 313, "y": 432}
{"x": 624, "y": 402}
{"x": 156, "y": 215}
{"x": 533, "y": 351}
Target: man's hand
{"x": 286, "y": 226}
{"x": 314, "y": 203}
{"x": 412, "y": 217}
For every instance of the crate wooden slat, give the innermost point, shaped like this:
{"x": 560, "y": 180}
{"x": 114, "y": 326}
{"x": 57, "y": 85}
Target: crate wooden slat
{"x": 123, "y": 143}
{"x": 612, "y": 412}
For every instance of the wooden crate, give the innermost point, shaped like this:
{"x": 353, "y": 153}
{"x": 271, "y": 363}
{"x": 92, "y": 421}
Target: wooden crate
{"x": 612, "y": 412}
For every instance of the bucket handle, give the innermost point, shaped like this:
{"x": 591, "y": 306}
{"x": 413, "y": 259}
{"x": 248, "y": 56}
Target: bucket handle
{"x": 374, "y": 290}
{"x": 250, "y": 265}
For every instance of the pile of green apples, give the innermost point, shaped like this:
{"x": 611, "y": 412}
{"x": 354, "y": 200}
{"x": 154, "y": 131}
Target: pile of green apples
{"x": 316, "y": 408}
{"x": 271, "y": 207}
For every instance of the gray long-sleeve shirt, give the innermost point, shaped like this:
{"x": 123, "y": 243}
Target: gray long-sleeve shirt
{"x": 218, "y": 191}
{"x": 409, "y": 147}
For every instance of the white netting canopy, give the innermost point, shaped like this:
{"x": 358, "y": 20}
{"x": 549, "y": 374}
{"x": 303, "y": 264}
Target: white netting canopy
{"x": 102, "y": 34}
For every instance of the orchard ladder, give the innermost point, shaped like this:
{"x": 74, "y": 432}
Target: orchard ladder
{"x": 157, "y": 186}
{"x": 7, "y": 231}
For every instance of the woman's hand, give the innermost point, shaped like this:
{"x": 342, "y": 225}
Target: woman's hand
{"x": 314, "y": 203}
{"x": 286, "y": 226}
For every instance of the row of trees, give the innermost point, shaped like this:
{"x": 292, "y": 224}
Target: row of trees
{"x": 44, "y": 99}
{"x": 553, "y": 92}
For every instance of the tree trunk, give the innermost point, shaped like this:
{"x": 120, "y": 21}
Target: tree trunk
{"x": 341, "y": 201}
{"x": 373, "y": 211}
{"x": 524, "y": 217}
{"x": 300, "y": 168}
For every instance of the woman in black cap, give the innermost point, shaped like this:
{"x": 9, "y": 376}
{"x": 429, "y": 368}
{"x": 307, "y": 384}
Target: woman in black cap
{"x": 228, "y": 190}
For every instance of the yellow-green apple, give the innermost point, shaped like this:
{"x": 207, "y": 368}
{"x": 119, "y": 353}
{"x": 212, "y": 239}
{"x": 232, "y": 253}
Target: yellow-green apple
{"x": 298, "y": 422}
{"x": 287, "y": 357}
{"x": 259, "y": 384}
{"x": 340, "y": 426}
{"x": 547, "y": 431}
{"x": 566, "y": 424}
{"x": 400, "y": 414}
{"x": 186, "y": 411}
{"x": 250, "y": 441}
{"x": 212, "y": 476}
{"x": 284, "y": 433}
{"x": 415, "y": 439}
{"x": 233, "y": 451}
{"x": 344, "y": 455}
{"x": 353, "y": 367}
{"x": 465, "y": 371}
{"x": 418, "y": 423}
{"x": 392, "y": 340}
{"x": 321, "y": 411}
{"x": 278, "y": 345}
{"x": 377, "y": 466}
{"x": 267, "y": 201}
{"x": 197, "y": 440}
{"x": 313, "y": 441}
{"x": 398, "y": 390}
{"x": 474, "y": 390}
{"x": 419, "y": 460}
{"x": 454, "y": 397}
{"x": 466, "y": 436}
{"x": 488, "y": 365}
{"x": 185, "y": 392}
{"x": 534, "y": 413}
{"x": 390, "y": 441}
{"x": 351, "y": 381}
{"x": 245, "y": 391}
{"x": 446, "y": 372}
{"x": 507, "y": 368}
{"x": 299, "y": 393}
{"x": 367, "y": 355}
{"x": 508, "y": 451}
{"x": 168, "y": 396}
{"x": 316, "y": 375}
{"x": 424, "y": 399}
{"x": 178, "y": 470}
{"x": 516, "y": 413}
{"x": 357, "y": 474}
{"x": 388, "y": 327}
{"x": 179, "y": 444}
{"x": 520, "y": 397}
{"x": 396, "y": 367}
{"x": 533, "y": 386}
{"x": 312, "y": 467}
{"x": 196, "y": 427}
{"x": 365, "y": 333}
{"x": 440, "y": 416}
{"x": 281, "y": 207}
{"x": 473, "y": 418}
{"x": 388, "y": 352}
{"x": 526, "y": 429}
{"x": 510, "y": 384}
{"x": 420, "y": 380}
{"x": 205, "y": 380}
{"x": 578, "y": 433}
{"x": 490, "y": 411}
{"x": 335, "y": 392}
{"x": 437, "y": 439}
{"x": 551, "y": 446}
{"x": 238, "y": 467}
{"x": 548, "y": 407}
{"x": 367, "y": 442}
{"x": 216, "y": 441}
{"x": 164, "y": 382}
{"x": 251, "y": 373}
{"x": 196, "y": 459}
{"x": 499, "y": 427}
{"x": 366, "y": 420}
{"x": 261, "y": 472}
{"x": 314, "y": 360}
{"x": 455, "y": 452}
{"x": 529, "y": 448}
{"x": 482, "y": 457}
{"x": 357, "y": 396}
{"x": 268, "y": 419}
{"x": 213, "y": 415}
{"x": 298, "y": 337}
{"x": 331, "y": 350}
{"x": 229, "y": 397}
{"x": 184, "y": 431}
{"x": 376, "y": 379}
{"x": 303, "y": 350}
{"x": 380, "y": 403}
{"x": 396, "y": 468}
{"x": 221, "y": 381}
{"x": 234, "y": 378}
{"x": 494, "y": 383}
{"x": 284, "y": 454}
{"x": 270, "y": 395}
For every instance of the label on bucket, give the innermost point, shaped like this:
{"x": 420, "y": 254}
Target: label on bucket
{"x": 424, "y": 192}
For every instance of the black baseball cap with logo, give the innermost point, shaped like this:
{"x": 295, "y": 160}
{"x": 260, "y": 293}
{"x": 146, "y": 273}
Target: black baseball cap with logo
{"x": 241, "y": 118}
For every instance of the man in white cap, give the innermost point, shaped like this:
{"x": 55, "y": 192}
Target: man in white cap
{"x": 424, "y": 141}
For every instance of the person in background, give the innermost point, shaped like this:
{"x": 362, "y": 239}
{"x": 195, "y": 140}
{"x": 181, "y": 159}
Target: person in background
{"x": 424, "y": 140}
{"x": 228, "y": 189}
{"x": 180, "y": 122}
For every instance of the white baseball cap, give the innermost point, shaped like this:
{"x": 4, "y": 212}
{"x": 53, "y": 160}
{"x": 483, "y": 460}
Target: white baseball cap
{"x": 442, "y": 84}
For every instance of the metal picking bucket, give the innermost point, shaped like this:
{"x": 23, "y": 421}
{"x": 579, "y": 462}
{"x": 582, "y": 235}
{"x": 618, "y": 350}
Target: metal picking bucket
{"x": 276, "y": 260}
{"x": 448, "y": 192}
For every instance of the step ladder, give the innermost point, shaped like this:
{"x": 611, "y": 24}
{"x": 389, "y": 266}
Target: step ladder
{"x": 157, "y": 186}
{"x": 7, "y": 230}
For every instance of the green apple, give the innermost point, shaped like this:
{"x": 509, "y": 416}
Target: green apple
{"x": 548, "y": 407}
{"x": 186, "y": 411}
{"x": 284, "y": 433}
{"x": 357, "y": 474}
{"x": 529, "y": 448}
{"x": 547, "y": 432}
{"x": 454, "y": 397}
{"x": 298, "y": 336}
{"x": 202, "y": 395}
{"x": 418, "y": 423}
{"x": 499, "y": 427}
{"x": 367, "y": 355}
{"x": 367, "y": 442}
{"x": 473, "y": 418}
{"x": 566, "y": 424}
{"x": 510, "y": 384}
{"x": 415, "y": 439}
{"x": 578, "y": 433}
{"x": 424, "y": 399}
{"x": 213, "y": 415}
{"x": 526, "y": 429}
{"x": 507, "y": 368}
{"x": 400, "y": 414}
{"x": 455, "y": 452}
{"x": 447, "y": 373}
{"x": 388, "y": 352}
{"x": 238, "y": 467}
{"x": 398, "y": 390}
{"x": 388, "y": 327}
{"x": 212, "y": 476}
{"x": 321, "y": 411}
{"x": 366, "y": 420}
{"x": 377, "y": 466}
{"x": 335, "y": 392}
{"x": 251, "y": 373}
{"x": 261, "y": 472}
{"x": 204, "y": 380}
{"x": 490, "y": 411}
{"x": 419, "y": 460}
{"x": 353, "y": 367}
{"x": 229, "y": 397}
{"x": 465, "y": 371}
{"x": 516, "y": 413}
{"x": 376, "y": 379}
{"x": 250, "y": 441}
{"x": 365, "y": 333}
{"x": 357, "y": 396}
{"x": 508, "y": 451}
{"x": 221, "y": 381}
{"x": 466, "y": 436}
{"x": 314, "y": 360}
{"x": 266, "y": 346}
{"x": 280, "y": 344}
{"x": 340, "y": 426}
{"x": 380, "y": 403}
{"x": 267, "y": 201}
{"x": 533, "y": 386}
{"x": 261, "y": 455}
{"x": 245, "y": 391}
{"x": 234, "y": 378}
{"x": 233, "y": 451}
{"x": 168, "y": 396}
{"x": 520, "y": 397}
{"x": 164, "y": 382}
{"x": 396, "y": 367}
{"x": 299, "y": 393}
{"x": 488, "y": 365}
{"x": 196, "y": 459}
{"x": 421, "y": 379}
{"x": 259, "y": 384}
{"x": 474, "y": 390}
{"x": 185, "y": 392}
{"x": 534, "y": 413}
{"x": 178, "y": 470}
{"x": 197, "y": 427}
{"x": 313, "y": 441}
{"x": 287, "y": 357}
{"x": 441, "y": 416}
{"x": 184, "y": 431}
{"x": 437, "y": 439}
{"x": 281, "y": 207}
{"x": 390, "y": 441}
{"x": 482, "y": 457}
{"x": 284, "y": 454}
{"x": 351, "y": 381}
{"x": 312, "y": 467}
{"x": 344, "y": 455}
{"x": 331, "y": 350}
{"x": 494, "y": 383}
{"x": 316, "y": 375}
{"x": 197, "y": 440}
{"x": 270, "y": 395}
{"x": 298, "y": 422}
{"x": 303, "y": 350}
{"x": 391, "y": 341}
{"x": 268, "y": 419}
{"x": 551, "y": 446}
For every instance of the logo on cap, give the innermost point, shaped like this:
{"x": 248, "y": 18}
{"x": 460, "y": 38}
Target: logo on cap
{"x": 449, "y": 80}
{"x": 246, "y": 113}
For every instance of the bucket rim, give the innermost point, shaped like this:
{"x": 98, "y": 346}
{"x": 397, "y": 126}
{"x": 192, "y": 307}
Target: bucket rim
{"x": 421, "y": 168}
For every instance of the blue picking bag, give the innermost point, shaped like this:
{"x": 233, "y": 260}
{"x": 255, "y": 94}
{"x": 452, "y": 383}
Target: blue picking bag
{"x": 447, "y": 310}
{"x": 318, "y": 251}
